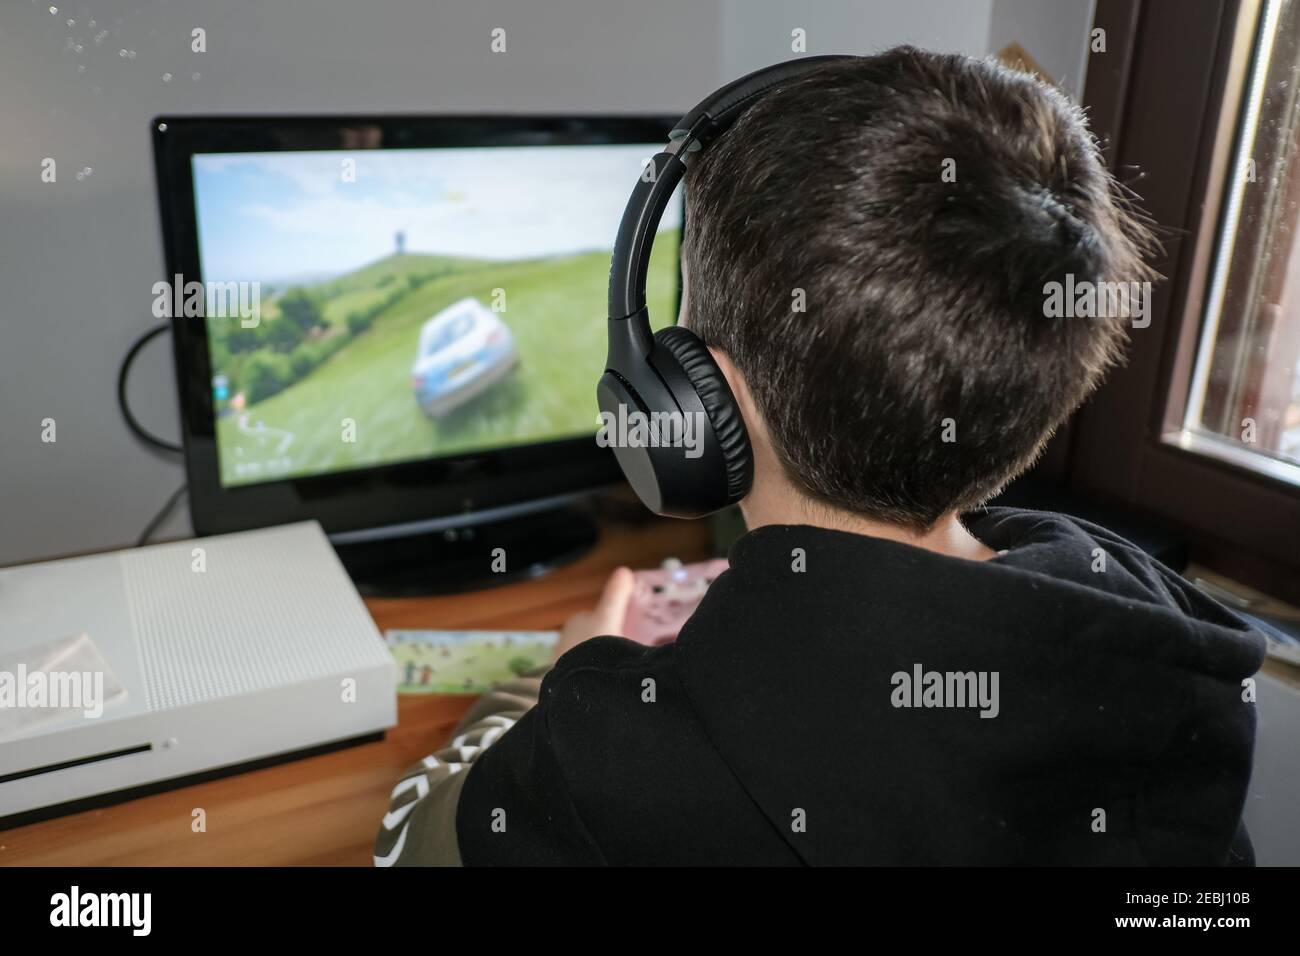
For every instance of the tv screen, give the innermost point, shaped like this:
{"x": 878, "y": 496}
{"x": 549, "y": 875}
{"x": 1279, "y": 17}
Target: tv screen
{"x": 407, "y": 304}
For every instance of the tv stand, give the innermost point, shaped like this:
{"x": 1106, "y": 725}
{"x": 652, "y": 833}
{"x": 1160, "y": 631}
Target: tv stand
{"x": 466, "y": 558}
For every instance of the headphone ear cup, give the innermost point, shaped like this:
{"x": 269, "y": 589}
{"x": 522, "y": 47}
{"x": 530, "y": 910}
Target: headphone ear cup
{"x": 720, "y": 407}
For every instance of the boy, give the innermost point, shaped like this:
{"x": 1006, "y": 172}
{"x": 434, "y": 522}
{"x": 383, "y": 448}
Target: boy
{"x": 887, "y": 674}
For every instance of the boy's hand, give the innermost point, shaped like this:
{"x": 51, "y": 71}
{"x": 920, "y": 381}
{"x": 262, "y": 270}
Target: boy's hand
{"x": 605, "y": 618}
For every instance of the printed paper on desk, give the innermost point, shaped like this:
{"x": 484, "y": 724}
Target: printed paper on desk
{"x": 466, "y": 662}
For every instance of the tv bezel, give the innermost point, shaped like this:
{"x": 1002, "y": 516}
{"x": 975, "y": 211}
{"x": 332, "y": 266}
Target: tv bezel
{"x": 400, "y": 494}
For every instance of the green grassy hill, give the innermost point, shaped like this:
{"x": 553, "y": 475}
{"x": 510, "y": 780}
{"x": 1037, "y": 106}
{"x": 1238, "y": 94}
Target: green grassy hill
{"x": 370, "y": 284}
{"x": 393, "y": 267}
{"x": 555, "y": 309}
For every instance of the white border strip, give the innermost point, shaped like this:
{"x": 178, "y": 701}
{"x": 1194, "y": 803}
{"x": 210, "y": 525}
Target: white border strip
{"x": 1225, "y": 450}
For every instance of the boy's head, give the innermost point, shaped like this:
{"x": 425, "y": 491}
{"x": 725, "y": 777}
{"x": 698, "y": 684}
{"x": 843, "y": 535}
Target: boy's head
{"x": 869, "y": 246}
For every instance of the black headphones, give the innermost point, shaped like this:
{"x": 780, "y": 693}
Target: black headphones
{"x": 670, "y": 373}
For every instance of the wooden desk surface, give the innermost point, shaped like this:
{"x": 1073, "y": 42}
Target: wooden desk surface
{"x": 325, "y": 810}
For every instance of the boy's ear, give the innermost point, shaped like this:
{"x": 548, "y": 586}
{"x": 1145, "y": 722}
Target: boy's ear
{"x": 740, "y": 389}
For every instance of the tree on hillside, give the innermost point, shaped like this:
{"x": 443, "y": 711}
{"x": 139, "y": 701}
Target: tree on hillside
{"x": 301, "y": 309}
{"x": 265, "y": 375}
{"x": 283, "y": 334}
{"x": 239, "y": 339}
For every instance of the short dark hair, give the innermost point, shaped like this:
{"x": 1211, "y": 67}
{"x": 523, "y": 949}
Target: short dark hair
{"x": 924, "y": 297}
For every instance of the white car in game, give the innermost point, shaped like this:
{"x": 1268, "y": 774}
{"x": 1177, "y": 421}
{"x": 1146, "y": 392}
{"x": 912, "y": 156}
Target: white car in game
{"x": 464, "y": 350}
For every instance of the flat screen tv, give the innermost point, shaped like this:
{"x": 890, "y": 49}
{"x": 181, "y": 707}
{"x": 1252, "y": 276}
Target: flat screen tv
{"x": 394, "y": 325}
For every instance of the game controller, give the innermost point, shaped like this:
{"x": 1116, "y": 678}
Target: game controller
{"x": 665, "y": 598}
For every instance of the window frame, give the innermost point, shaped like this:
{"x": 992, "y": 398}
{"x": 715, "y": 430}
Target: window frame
{"x": 1225, "y": 201}
{"x": 1162, "y": 99}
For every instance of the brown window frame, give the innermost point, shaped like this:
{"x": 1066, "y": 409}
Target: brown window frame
{"x": 1155, "y": 99}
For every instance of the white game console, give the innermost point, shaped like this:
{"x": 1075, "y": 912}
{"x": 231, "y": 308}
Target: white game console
{"x": 210, "y": 654}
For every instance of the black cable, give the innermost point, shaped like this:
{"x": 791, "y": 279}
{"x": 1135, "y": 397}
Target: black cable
{"x": 160, "y": 517}
{"x": 146, "y": 436}
{"x": 124, "y": 370}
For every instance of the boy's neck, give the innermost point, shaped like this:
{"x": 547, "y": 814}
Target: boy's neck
{"x": 770, "y": 506}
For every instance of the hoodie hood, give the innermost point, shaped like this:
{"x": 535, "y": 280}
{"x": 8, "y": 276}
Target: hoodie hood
{"x": 1068, "y": 701}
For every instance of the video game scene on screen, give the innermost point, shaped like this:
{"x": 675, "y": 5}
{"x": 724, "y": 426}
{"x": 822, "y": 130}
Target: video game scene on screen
{"x": 394, "y": 283}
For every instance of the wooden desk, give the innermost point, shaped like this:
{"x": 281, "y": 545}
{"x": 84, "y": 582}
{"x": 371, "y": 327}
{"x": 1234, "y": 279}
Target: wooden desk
{"x": 325, "y": 810}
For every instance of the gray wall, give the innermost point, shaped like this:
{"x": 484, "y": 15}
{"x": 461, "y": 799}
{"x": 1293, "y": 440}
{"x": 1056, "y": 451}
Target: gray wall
{"x": 757, "y": 32}
{"x": 1055, "y": 33}
{"x": 1272, "y": 811}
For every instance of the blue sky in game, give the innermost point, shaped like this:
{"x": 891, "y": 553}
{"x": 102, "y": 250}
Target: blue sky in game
{"x": 293, "y": 216}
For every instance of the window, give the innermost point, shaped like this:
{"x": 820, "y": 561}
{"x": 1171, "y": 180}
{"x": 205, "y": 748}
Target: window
{"x": 438, "y": 337}
{"x": 1243, "y": 400}
{"x": 1198, "y": 107}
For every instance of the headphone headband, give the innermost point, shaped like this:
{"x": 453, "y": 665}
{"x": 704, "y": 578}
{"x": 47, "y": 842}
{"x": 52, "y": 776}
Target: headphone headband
{"x": 693, "y": 132}
{"x": 671, "y": 376}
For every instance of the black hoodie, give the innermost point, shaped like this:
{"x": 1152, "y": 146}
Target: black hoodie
{"x": 1115, "y": 729}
